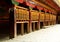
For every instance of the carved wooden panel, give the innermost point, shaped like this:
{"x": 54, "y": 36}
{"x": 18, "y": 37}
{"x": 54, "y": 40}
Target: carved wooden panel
{"x": 21, "y": 14}
{"x": 34, "y": 15}
{"x": 51, "y": 17}
{"x": 54, "y": 17}
{"x": 42, "y": 16}
{"x": 47, "y": 16}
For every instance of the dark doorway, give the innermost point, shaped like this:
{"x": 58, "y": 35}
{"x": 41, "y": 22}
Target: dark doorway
{"x": 25, "y": 27}
{"x": 36, "y": 26}
{"x": 51, "y": 23}
{"x": 32, "y": 27}
{"x": 41, "y": 25}
{"x": 18, "y": 28}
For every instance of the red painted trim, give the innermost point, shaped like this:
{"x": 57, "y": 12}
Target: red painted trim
{"x": 31, "y": 5}
{"x": 20, "y": 1}
{"x": 45, "y": 10}
{"x": 52, "y": 4}
{"x": 40, "y": 8}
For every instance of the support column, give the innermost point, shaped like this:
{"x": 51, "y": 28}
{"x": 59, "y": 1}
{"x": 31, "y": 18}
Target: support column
{"x": 52, "y": 19}
{"x": 22, "y": 28}
{"x": 45, "y": 19}
{"x": 13, "y": 25}
{"x": 30, "y": 22}
{"x": 30, "y": 27}
{"x": 49, "y": 20}
{"x": 38, "y": 25}
{"x": 28, "y": 30}
{"x": 15, "y": 30}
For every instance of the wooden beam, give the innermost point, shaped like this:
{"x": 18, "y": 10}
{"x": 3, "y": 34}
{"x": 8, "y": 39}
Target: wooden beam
{"x": 49, "y": 19}
{"x": 43, "y": 5}
{"x": 13, "y": 28}
{"x": 30, "y": 22}
{"x": 38, "y": 25}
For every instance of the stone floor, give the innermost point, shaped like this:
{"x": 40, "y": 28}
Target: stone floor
{"x": 48, "y": 34}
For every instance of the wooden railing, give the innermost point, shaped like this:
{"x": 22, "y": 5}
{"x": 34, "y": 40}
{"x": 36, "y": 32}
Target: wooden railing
{"x": 21, "y": 13}
{"x": 34, "y": 15}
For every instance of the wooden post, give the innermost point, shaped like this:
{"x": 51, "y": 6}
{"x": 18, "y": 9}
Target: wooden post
{"x": 44, "y": 19}
{"x": 13, "y": 28}
{"x": 38, "y": 26}
{"x": 52, "y": 20}
{"x": 30, "y": 23}
{"x": 22, "y": 28}
{"x": 28, "y": 30}
{"x": 15, "y": 24}
{"x": 49, "y": 19}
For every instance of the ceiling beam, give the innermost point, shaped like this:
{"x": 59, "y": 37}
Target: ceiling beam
{"x": 45, "y": 6}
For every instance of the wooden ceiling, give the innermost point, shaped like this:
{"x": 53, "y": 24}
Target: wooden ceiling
{"x": 49, "y": 3}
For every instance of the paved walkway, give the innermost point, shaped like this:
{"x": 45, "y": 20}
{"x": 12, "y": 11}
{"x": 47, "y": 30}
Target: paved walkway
{"x": 49, "y": 34}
